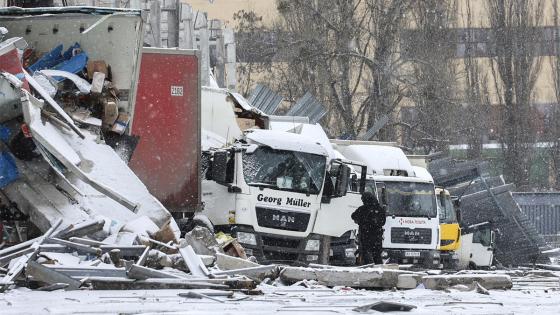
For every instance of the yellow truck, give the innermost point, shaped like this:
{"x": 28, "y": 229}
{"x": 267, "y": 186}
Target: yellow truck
{"x": 450, "y": 232}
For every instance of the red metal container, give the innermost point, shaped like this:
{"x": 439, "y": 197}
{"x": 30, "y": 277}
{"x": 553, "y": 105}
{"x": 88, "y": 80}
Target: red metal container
{"x": 167, "y": 120}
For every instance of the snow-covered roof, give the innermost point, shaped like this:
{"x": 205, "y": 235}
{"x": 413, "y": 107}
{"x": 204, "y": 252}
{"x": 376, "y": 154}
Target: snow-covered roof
{"x": 312, "y": 131}
{"x": 378, "y": 158}
{"x": 423, "y": 173}
{"x": 288, "y": 141}
{"x": 211, "y": 140}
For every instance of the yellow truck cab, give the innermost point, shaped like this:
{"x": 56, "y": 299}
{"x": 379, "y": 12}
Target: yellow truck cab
{"x": 450, "y": 232}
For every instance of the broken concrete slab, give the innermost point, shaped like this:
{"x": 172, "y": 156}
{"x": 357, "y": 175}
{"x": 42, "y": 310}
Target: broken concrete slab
{"x": 345, "y": 276}
{"x": 409, "y": 280}
{"x": 226, "y": 262}
{"x": 255, "y": 273}
{"x": 488, "y": 281}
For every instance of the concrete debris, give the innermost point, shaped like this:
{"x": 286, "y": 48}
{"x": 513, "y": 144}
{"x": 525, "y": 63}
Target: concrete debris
{"x": 384, "y": 307}
{"x": 202, "y": 241}
{"x": 347, "y": 276}
{"x": 488, "y": 281}
{"x": 258, "y": 273}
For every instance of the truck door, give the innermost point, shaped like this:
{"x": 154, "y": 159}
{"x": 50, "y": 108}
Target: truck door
{"x": 337, "y": 206}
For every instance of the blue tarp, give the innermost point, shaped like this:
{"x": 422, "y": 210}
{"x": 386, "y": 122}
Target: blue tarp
{"x": 72, "y": 60}
{"x": 8, "y": 169}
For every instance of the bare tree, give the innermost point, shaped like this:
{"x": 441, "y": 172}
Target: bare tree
{"x": 515, "y": 69}
{"x": 474, "y": 113}
{"x": 344, "y": 53}
{"x": 388, "y": 85}
{"x": 553, "y": 121}
{"x": 255, "y": 49}
{"x": 434, "y": 76}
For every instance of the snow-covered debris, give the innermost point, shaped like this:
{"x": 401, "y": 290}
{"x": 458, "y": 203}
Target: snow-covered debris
{"x": 488, "y": 281}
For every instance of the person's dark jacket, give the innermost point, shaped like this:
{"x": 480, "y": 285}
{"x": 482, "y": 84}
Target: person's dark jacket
{"x": 370, "y": 218}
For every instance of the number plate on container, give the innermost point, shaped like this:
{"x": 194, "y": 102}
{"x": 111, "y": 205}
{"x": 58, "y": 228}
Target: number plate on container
{"x": 411, "y": 254}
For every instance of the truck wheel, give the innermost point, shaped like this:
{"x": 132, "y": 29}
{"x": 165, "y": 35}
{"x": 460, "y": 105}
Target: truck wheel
{"x": 472, "y": 266}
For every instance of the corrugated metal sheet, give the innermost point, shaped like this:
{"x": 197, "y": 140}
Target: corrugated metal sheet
{"x": 543, "y": 209}
{"x": 490, "y": 199}
{"x": 265, "y": 99}
{"x": 308, "y": 106}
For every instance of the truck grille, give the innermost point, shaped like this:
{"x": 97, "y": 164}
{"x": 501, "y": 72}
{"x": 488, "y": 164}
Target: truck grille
{"x": 280, "y": 242}
{"x": 282, "y": 219}
{"x": 411, "y": 236}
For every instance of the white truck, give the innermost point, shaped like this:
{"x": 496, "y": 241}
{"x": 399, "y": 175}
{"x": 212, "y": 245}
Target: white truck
{"x": 278, "y": 192}
{"x": 477, "y": 246}
{"x": 411, "y": 233}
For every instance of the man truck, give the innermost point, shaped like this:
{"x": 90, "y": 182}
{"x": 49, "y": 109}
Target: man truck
{"x": 411, "y": 233}
{"x": 279, "y": 192}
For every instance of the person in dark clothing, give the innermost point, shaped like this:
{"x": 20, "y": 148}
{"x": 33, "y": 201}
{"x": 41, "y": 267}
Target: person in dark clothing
{"x": 370, "y": 218}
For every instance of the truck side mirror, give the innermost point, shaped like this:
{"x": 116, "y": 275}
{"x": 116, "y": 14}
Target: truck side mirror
{"x": 384, "y": 196}
{"x": 342, "y": 179}
{"x": 220, "y": 167}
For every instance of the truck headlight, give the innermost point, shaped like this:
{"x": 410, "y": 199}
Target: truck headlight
{"x": 436, "y": 254}
{"x": 313, "y": 245}
{"x": 384, "y": 254}
{"x": 247, "y": 238}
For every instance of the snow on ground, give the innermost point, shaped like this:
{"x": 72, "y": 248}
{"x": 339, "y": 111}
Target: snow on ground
{"x": 281, "y": 300}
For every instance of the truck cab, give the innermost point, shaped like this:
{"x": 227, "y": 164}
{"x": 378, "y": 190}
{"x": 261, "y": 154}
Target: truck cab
{"x": 477, "y": 246}
{"x": 277, "y": 192}
{"x": 450, "y": 239}
{"x": 411, "y": 233}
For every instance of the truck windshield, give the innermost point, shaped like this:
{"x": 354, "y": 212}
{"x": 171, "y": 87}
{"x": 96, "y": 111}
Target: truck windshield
{"x": 447, "y": 213}
{"x": 411, "y": 199}
{"x": 284, "y": 170}
{"x": 483, "y": 236}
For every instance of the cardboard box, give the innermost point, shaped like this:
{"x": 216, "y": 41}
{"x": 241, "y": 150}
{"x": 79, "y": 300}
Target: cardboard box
{"x": 245, "y": 123}
{"x": 97, "y": 66}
